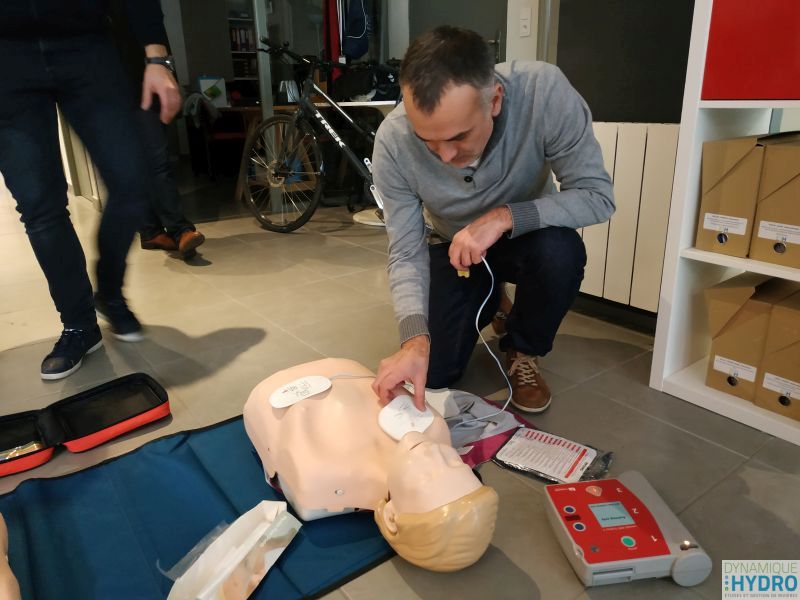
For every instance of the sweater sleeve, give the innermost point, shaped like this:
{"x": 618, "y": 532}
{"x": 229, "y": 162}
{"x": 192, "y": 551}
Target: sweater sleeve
{"x": 586, "y": 194}
{"x": 147, "y": 21}
{"x": 409, "y": 262}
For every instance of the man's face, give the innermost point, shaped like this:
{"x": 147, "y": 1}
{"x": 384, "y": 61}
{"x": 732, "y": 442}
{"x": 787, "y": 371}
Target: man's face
{"x": 460, "y": 126}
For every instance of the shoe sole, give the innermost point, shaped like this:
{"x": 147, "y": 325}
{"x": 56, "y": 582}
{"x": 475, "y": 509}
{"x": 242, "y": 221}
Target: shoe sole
{"x": 63, "y": 374}
{"x": 134, "y": 336}
{"x": 532, "y": 410}
{"x": 193, "y": 243}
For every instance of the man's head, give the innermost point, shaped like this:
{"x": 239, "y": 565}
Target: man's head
{"x": 450, "y": 93}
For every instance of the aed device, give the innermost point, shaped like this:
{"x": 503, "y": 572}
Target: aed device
{"x": 619, "y": 530}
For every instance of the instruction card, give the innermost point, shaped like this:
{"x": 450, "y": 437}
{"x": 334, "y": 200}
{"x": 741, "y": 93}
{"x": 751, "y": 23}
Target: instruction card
{"x": 547, "y": 455}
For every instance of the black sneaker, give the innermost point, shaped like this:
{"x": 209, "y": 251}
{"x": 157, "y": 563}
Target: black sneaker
{"x": 68, "y": 353}
{"x": 124, "y": 324}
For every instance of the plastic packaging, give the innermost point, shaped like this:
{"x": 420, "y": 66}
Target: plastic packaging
{"x": 230, "y": 562}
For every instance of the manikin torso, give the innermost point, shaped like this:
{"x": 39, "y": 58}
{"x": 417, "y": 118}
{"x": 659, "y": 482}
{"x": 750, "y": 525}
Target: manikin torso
{"x": 330, "y": 455}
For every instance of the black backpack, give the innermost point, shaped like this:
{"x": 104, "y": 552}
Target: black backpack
{"x": 357, "y": 30}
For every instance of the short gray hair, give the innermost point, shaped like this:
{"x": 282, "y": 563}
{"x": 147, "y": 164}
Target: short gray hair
{"x": 443, "y": 57}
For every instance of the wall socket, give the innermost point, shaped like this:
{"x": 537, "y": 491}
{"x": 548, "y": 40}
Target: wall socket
{"x": 525, "y": 21}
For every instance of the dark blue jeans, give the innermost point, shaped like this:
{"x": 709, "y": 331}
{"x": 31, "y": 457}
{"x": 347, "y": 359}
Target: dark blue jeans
{"x": 83, "y": 76}
{"x": 547, "y": 267}
{"x": 165, "y": 211}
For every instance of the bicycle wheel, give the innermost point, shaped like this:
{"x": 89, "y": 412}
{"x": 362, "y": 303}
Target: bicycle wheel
{"x": 282, "y": 188}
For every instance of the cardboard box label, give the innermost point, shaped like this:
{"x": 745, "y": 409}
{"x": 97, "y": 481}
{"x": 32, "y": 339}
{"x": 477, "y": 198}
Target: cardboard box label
{"x": 783, "y": 386}
{"x": 735, "y": 368}
{"x": 780, "y": 232}
{"x": 725, "y": 223}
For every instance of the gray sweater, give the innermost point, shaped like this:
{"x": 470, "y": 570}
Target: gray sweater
{"x": 544, "y": 126}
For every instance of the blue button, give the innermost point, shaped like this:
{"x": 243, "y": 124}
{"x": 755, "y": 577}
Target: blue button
{"x": 579, "y": 527}
{"x": 569, "y": 509}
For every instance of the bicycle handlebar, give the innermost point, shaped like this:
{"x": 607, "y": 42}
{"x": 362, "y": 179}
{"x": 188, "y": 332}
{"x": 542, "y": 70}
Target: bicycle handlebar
{"x": 276, "y": 50}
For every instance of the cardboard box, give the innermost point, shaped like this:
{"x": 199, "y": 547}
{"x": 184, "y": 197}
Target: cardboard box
{"x": 731, "y": 172}
{"x": 779, "y": 376}
{"x": 776, "y": 230}
{"x": 738, "y": 318}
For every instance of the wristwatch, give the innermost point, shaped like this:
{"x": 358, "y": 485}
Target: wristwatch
{"x": 164, "y": 61}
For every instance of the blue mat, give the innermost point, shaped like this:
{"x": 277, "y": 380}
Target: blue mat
{"x": 101, "y": 532}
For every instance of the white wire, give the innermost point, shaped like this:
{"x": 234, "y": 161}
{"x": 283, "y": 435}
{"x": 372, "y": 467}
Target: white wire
{"x": 480, "y": 335}
{"x": 499, "y": 366}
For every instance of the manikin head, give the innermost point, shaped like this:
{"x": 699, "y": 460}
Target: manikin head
{"x": 450, "y": 93}
{"x": 438, "y": 514}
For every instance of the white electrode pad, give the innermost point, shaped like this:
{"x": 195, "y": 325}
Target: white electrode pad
{"x": 401, "y": 416}
{"x": 299, "y": 389}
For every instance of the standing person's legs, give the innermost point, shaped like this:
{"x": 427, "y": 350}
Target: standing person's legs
{"x": 97, "y": 100}
{"x": 547, "y": 267}
{"x": 453, "y": 306}
{"x": 165, "y": 211}
{"x": 31, "y": 165}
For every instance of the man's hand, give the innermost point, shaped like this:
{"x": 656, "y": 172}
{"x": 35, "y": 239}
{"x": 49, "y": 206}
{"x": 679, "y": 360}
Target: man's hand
{"x": 158, "y": 80}
{"x": 410, "y": 363}
{"x": 471, "y": 243}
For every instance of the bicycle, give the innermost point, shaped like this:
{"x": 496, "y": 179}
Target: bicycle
{"x": 284, "y": 174}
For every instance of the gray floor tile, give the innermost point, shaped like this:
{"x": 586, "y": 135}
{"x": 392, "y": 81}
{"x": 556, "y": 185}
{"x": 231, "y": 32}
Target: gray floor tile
{"x": 373, "y": 282}
{"x": 752, "y": 514}
{"x": 172, "y": 335}
{"x": 628, "y": 383}
{"x": 215, "y": 384}
{"x": 29, "y": 325}
{"x": 780, "y": 455}
{"x": 254, "y": 273}
{"x": 309, "y": 304}
{"x": 367, "y": 336}
{"x": 24, "y": 294}
{"x": 21, "y": 380}
{"x": 579, "y": 358}
{"x": 667, "y": 456}
{"x": 652, "y": 589}
{"x": 345, "y": 260}
{"x": 588, "y": 327}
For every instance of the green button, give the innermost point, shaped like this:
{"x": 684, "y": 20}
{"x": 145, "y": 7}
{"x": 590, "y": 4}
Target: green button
{"x": 628, "y": 541}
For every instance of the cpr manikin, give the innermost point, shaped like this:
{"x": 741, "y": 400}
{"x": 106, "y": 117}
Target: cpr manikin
{"x": 329, "y": 456}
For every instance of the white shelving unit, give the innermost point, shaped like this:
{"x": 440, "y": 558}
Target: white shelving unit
{"x": 682, "y": 343}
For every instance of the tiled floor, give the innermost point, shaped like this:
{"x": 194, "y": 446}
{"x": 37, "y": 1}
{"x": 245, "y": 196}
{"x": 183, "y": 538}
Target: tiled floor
{"x": 254, "y": 302}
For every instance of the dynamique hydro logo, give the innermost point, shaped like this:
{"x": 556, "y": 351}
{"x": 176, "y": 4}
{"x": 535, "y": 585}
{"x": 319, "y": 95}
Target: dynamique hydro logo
{"x": 761, "y": 579}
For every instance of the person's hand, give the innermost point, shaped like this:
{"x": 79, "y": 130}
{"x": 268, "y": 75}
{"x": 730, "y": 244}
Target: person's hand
{"x": 410, "y": 363}
{"x": 471, "y": 243}
{"x": 158, "y": 80}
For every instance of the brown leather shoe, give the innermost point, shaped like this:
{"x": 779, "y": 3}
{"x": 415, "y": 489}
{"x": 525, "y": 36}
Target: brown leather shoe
{"x": 188, "y": 241}
{"x": 530, "y": 392}
{"x": 160, "y": 242}
{"x": 503, "y": 310}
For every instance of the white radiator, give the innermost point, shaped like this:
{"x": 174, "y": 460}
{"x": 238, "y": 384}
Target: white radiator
{"x": 625, "y": 256}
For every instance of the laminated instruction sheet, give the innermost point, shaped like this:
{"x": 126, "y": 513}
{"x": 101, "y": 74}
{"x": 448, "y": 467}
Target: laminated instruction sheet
{"x": 547, "y": 455}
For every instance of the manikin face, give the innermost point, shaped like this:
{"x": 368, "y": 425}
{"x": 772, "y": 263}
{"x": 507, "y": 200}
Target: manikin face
{"x": 460, "y": 126}
{"x": 424, "y": 475}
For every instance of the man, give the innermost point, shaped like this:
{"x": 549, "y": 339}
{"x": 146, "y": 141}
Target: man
{"x": 58, "y": 53}
{"x": 471, "y": 149}
{"x": 165, "y": 226}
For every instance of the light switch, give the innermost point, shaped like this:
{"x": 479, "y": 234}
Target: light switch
{"x": 525, "y": 21}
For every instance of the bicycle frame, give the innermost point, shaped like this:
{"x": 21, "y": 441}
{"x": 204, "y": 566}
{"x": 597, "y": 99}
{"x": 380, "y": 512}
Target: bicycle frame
{"x": 309, "y": 112}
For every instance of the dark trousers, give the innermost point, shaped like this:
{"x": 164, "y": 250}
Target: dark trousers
{"x": 165, "y": 211}
{"x": 83, "y": 76}
{"x": 547, "y": 267}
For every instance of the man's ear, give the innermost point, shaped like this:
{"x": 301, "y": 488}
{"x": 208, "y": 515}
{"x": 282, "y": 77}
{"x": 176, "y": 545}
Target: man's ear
{"x": 390, "y": 517}
{"x": 497, "y": 99}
